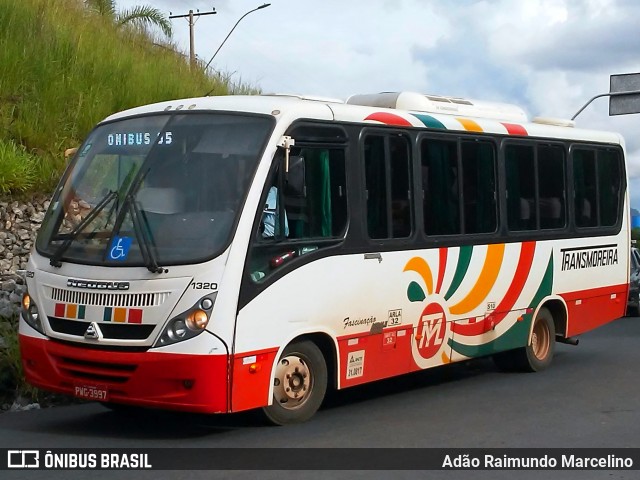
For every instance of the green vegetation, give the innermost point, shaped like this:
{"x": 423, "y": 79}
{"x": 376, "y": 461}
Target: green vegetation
{"x": 12, "y": 382}
{"x": 142, "y": 15}
{"x": 66, "y": 66}
{"x": 18, "y": 168}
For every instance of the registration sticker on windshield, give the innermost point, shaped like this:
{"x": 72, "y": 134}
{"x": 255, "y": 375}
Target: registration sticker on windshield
{"x": 119, "y": 249}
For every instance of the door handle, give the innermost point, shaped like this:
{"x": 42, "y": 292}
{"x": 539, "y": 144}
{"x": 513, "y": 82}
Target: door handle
{"x": 373, "y": 256}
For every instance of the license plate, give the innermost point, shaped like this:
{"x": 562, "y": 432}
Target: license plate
{"x": 97, "y": 393}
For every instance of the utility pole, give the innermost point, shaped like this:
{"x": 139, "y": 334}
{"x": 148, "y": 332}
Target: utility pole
{"x": 190, "y": 18}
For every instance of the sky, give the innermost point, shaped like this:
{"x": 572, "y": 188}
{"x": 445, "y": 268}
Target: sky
{"x": 547, "y": 56}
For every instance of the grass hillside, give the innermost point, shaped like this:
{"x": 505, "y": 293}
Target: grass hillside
{"x": 62, "y": 69}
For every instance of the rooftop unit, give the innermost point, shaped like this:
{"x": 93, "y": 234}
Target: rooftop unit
{"x": 418, "y": 102}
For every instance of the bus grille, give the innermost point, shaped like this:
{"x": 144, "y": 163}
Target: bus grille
{"x": 110, "y": 331}
{"x": 110, "y": 299}
{"x": 96, "y": 371}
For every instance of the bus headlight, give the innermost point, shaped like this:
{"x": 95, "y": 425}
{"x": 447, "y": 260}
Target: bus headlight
{"x": 30, "y": 313}
{"x": 197, "y": 320}
{"x": 188, "y": 324}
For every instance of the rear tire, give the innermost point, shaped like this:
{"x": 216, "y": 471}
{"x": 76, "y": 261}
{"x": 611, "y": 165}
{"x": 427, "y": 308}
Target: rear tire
{"x": 538, "y": 354}
{"x": 299, "y": 384}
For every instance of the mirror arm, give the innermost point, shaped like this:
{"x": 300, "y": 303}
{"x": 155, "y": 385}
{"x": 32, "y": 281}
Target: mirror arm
{"x": 286, "y": 142}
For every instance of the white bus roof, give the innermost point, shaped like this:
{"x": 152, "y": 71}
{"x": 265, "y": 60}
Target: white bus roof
{"x": 474, "y": 116}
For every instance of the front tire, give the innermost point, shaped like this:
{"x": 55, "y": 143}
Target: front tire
{"x": 538, "y": 354}
{"x": 299, "y": 384}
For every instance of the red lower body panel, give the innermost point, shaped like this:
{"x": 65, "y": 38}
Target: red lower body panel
{"x": 252, "y": 379}
{"x": 196, "y": 383}
{"x": 589, "y": 309}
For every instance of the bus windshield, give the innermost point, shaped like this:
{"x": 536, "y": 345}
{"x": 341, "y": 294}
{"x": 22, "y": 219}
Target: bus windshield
{"x": 154, "y": 190}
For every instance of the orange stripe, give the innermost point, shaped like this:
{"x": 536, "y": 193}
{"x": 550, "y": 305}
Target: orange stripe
{"x": 485, "y": 282}
{"x": 72, "y": 311}
{"x": 470, "y": 125}
{"x": 420, "y": 266}
{"x": 445, "y": 358}
{"x": 120, "y": 314}
{"x": 505, "y": 306}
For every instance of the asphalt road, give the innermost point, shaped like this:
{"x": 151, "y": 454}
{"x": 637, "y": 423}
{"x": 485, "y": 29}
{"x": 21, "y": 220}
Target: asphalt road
{"x": 590, "y": 397}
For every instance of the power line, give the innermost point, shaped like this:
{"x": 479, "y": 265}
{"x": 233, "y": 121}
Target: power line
{"x": 190, "y": 18}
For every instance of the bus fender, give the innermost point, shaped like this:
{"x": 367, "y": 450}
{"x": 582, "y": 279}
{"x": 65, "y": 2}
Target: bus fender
{"x": 559, "y": 310}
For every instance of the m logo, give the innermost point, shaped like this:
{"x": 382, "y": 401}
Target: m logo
{"x": 432, "y": 329}
{"x": 93, "y": 332}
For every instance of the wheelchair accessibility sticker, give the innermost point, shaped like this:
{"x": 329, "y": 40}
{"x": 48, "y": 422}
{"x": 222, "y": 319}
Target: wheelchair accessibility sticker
{"x": 119, "y": 248}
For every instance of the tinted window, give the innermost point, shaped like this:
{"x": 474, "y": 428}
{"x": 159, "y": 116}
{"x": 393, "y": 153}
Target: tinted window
{"x": 440, "y": 187}
{"x": 302, "y": 210}
{"x": 479, "y": 187}
{"x": 584, "y": 183}
{"x": 521, "y": 188}
{"x": 609, "y": 186}
{"x": 387, "y": 161}
{"x": 551, "y": 187}
{"x": 535, "y": 182}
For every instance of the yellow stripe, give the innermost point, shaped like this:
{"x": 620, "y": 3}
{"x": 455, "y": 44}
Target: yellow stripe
{"x": 485, "y": 282}
{"x": 470, "y": 125}
{"x": 419, "y": 265}
{"x": 445, "y": 358}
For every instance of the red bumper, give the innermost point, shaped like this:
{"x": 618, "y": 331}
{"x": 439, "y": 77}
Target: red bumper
{"x": 195, "y": 383}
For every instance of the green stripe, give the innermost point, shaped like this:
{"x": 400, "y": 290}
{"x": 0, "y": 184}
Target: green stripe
{"x": 107, "y": 314}
{"x": 429, "y": 121}
{"x": 516, "y": 336}
{"x": 464, "y": 259}
{"x": 81, "y": 312}
{"x": 546, "y": 285}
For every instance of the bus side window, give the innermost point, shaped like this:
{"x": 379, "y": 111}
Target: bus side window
{"x": 310, "y": 214}
{"x": 479, "y": 187}
{"x": 584, "y": 184}
{"x": 440, "y": 187}
{"x": 319, "y": 210}
{"x": 387, "y": 162}
{"x": 551, "y": 185}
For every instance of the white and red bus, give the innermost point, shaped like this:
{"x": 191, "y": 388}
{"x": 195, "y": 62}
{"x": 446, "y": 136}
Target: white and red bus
{"x": 221, "y": 254}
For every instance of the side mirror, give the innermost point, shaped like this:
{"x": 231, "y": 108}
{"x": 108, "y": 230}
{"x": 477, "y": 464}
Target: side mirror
{"x": 296, "y": 177}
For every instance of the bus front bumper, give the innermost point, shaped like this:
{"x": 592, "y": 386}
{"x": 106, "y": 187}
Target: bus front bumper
{"x": 194, "y": 383}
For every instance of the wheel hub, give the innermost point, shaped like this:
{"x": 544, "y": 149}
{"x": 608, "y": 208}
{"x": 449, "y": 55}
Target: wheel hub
{"x": 540, "y": 340}
{"x": 293, "y": 382}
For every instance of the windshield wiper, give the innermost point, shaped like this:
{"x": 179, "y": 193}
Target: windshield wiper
{"x": 93, "y": 213}
{"x": 144, "y": 241}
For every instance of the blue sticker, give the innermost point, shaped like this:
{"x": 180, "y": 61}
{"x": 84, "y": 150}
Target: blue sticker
{"x": 119, "y": 248}
{"x": 85, "y": 150}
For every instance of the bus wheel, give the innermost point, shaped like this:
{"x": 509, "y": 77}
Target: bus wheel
{"x": 299, "y": 385}
{"x": 538, "y": 354}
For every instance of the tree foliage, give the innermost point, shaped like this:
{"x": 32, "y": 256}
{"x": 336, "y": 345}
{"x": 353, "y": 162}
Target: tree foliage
{"x": 142, "y": 16}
